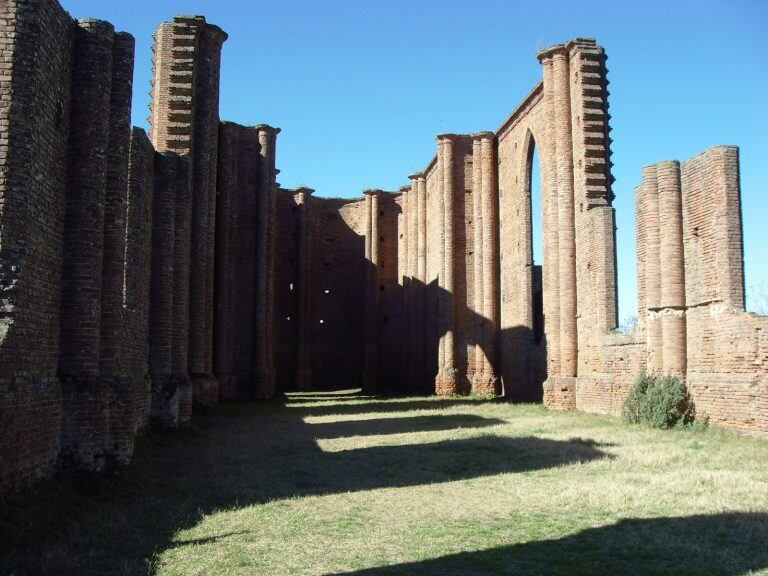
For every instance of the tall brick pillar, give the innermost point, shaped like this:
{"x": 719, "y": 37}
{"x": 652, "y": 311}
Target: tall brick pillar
{"x": 447, "y": 380}
{"x": 123, "y": 422}
{"x": 406, "y": 367}
{"x": 371, "y": 345}
{"x": 413, "y": 267}
{"x": 185, "y": 119}
{"x": 263, "y": 357}
{"x": 205, "y": 157}
{"x": 673, "y": 277}
{"x": 164, "y": 411}
{"x": 224, "y": 278}
{"x": 303, "y": 370}
{"x": 550, "y": 227}
{"x": 475, "y": 371}
{"x": 181, "y": 293}
{"x": 421, "y": 300}
{"x": 566, "y": 221}
{"x": 85, "y": 428}
{"x": 653, "y": 272}
{"x": 489, "y": 224}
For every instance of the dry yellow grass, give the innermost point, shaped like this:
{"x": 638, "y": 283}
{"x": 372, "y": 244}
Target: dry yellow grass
{"x": 344, "y": 484}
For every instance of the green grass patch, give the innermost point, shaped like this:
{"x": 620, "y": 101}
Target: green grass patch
{"x": 345, "y": 484}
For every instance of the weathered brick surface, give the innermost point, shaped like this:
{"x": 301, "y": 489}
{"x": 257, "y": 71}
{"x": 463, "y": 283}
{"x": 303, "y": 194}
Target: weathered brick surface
{"x": 35, "y": 72}
{"x": 141, "y": 274}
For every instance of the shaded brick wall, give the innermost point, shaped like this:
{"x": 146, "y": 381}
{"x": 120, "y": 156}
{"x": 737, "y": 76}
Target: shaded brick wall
{"x": 36, "y": 41}
{"x": 339, "y": 268}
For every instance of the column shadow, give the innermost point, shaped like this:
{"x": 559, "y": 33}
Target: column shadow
{"x": 727, "y": 544}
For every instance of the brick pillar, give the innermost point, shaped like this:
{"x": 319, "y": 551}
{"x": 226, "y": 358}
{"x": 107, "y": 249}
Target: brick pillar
{"x": 138, "y": 270}
{"x": 421, "y": 344}
{"x": 447, "y": 380}
{"x": 85, "y": 429}
{"x": 303, "y": 372}
{"x": 123, "y": 421}
{"x": 263, "y": 357}
{"x": 652, "y": 270}
{"x": 407, "y": 341}
{"x": 164, "y": 411}
{"x": 477, "y": 368}
{"x": 412, "y": 264}
{"x": 673, "y": 277}
{"x": 566, "y": 222}
{"x": 183, "y": 233}
{"x": 371, "y": 345}
{"x": 224, "y": 288}
{"x": 489, "y": 224}
{"x": 205, "y": 158}
{"x": 184, "y": 118}
{"x": 550, "y": 226}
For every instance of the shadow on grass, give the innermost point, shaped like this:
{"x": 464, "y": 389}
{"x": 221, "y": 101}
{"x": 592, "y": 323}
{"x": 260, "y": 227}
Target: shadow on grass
{"x": 378, "y": 406}
{"x": 242, "y": 455}
{"x": 382, "y": 426}
{"x": 726, "y": 544}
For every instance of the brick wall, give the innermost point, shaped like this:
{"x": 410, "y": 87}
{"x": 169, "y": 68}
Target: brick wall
{"x": 33, "y": 150}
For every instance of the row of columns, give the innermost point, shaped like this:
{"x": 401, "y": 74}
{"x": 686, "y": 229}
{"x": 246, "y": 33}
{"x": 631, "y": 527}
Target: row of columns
{"x": 483, "y": 332}
{"x": 660, "y": 215}
{"x": 94, "y": 386}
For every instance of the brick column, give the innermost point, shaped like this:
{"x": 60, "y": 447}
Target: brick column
{"x": 550, "y": 225}
{"x": 652, "y": 270}
{"x": 477, "y": 369}
{"x": 413, "y": 283}
{"x": 164, "y": 411}
{"x": 673, "y": 277}
{"x": 205, "y": 159}
{"x": 123, "y": 421}
{"x": 303, "y": 371}
{"x": 263, "y": 358}
{"x": 225, "y": 290}
{"x": 370, "y": 360}
{"x": 566, "y": 221}
{"x": 447, "y": 380}
{"x": 405, "y": 257}
{"x": 183, "y": 232}
{"x": 489, "y": 384}
{"x": 85, "y": 428}
{"x": 421, "y": 344}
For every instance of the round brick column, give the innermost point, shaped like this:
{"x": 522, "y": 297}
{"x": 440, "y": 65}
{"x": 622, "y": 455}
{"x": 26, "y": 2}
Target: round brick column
{"x": 673, "y": 278}
{"x": 489, "y": 259}
{"x": 653, "y": 270}
{"x": 477, "y": 368}
{"x": 566, "y": 216}
{"x": 264, "y": 371}
{"x": 85, "y": 426}
{"x": 371, "y": 344}
{"x": 447, "y": 380}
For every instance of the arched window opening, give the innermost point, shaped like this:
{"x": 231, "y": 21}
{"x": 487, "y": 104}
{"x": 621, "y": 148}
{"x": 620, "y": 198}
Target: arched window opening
{"x": 533, "y": 192}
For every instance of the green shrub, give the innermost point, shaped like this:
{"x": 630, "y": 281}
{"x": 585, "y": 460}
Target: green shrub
{"x": 659, "y": 402}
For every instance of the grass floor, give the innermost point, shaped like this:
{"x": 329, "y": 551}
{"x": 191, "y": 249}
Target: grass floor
{"x": 343, "y": 484}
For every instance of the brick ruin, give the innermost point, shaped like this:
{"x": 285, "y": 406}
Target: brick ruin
{"x": 143, "y": 275}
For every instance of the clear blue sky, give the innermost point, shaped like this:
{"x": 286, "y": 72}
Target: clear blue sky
{"x": 360, "y": 88}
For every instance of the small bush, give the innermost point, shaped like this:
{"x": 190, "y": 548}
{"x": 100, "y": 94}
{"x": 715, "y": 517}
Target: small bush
{"x": 659, "y": 402}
